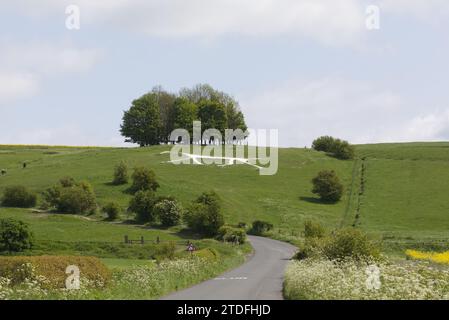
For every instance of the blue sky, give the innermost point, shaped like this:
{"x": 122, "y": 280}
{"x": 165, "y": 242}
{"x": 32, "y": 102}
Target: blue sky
{"x": 305, "y": 67}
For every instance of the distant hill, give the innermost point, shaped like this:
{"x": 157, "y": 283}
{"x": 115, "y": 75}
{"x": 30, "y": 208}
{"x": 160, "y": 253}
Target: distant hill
{"x": 404, "y": 197}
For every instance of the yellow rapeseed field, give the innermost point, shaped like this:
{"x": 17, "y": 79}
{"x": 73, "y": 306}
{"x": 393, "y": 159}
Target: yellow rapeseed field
{"x": 438, "y": 257}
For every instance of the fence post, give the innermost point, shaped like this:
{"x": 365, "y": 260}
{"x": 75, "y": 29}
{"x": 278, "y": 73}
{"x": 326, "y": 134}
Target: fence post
{"x": 141, "y": 240}
{"x": 126, "y": 239}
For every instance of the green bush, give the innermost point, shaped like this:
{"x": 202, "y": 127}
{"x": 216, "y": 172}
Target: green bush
{"x": 230, "y": 234}
{"x": 15, "y": 236}
{"x": 71, "y": 197}
{"x": 259, "y": 228}
{"x": 120, "y": 174}
{"x": 204, "y": 215}
{"x": 168, "y": 212}
{"x": 112, "y": 210}
{"x": 337, "y": 148}
{"x": 349, "y": 243}
{"x": 343, "y": 150}
{"x": 327, "y": 185}
{"x": 67, "y": 182}
{"x": 142, "y": 204}
{"x": 18, "y": 196}
{"x": 207, "y": 254}
{"x": 165, "y": 251}
{"x": 144, "y": 179}
{"x": 53, "y": 268}
{"x": 324, "y": 143}
{"x": 313, "y": 229}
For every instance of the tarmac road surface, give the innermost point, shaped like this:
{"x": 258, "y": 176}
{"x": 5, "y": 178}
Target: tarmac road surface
{"x": 259, "y": 278}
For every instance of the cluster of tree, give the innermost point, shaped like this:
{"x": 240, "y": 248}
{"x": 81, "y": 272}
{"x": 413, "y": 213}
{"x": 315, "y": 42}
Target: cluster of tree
{"x": 337, "y": 148}
{"x": 152, "y": 117}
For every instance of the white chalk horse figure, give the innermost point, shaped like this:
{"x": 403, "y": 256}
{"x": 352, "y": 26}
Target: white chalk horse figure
{"x": 228, "y": 161}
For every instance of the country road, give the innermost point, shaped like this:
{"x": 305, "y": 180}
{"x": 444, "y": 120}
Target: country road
{"x": 260, "y": 278}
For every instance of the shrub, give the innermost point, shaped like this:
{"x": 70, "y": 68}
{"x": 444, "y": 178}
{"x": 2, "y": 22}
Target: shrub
{"x": 18, "y": 196}
{"x": 313, "y": 229}
{"x": 343, "y": 150}
{"x": 307, "y": 250}
{"x": 210, "y": 198}
{"x": 15, "y": 235}
{"x": 71, "y": 197}
{"x": 53, "y": 268}
{"x": 230, "y": 234}
{"x": 120, "y": 174}
{"x": 112, "y": 210}
{"x": 67, "y": 182}
{"x": 204, "y": 219}
{"x": 207, "y": 254}
{"x": 204, "y": 215}
{"x": 350, "y": 243}
{"x": 165, "y": 251}
{"x": 142, "y": 204}
{"x": 169, "y": 212}
{"x": 144, "y": 179}
{"x": 324, "y": 143}
{"x": 242, "y": 225}
{"x": 337, "y": 148}
{"x": 327, "y": 185}
{"x": 260, "y": 227}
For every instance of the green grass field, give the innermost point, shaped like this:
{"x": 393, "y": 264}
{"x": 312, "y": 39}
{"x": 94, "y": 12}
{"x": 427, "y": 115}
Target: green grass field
{"x": 405, "y": 197}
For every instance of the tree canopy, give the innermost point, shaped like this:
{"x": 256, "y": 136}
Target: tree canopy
{"x": 152, "y": 117}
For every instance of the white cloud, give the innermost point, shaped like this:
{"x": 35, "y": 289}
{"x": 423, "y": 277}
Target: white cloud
{"x": 16, "y": 85}
{"x": 24, "y": 66}
{"x": 427, "y": 10}
{"x": 327, "y": 21}
{"x": 351, "y": 110}
{"x": 47, "y": 58}
{"x": 430, "y": 126}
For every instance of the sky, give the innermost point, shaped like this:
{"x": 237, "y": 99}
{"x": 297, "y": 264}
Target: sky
{"x": 304, "y": 67}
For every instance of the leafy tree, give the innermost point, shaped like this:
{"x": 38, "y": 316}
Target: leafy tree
{"x": 235, "y": 117}
{"x": 327, "y": 185}
{"x": 112, "y": 210}
{"x": 165, "y": 100}
{"x": 152, "y": 117}
{"x": 142, "y": 122}
{"x": 169, "y": 212}
{"x": 343, "y": 150}
{"x": 144, "y": 179}
{"x": 142, "y": 204}
{"x": 260, "y": 227}
{"x": 185, "y": 112}
{"x": 15, "y": 235}
{"x": 18, "y": 196}
{"x": 213, "y": 116}
{"x": 324, "y": 143}
{"x": 120, "y": 174}
{"x": 204, "y": 215}
{"x": 339, "y": 149}
{"x": 76, "y": 197}
{"x": 230, "y": 234}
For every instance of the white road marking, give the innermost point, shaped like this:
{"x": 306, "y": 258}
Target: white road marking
{"x": 232, "y": 278}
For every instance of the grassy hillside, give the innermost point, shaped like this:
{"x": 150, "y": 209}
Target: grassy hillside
{"x": 404, "y": 199}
